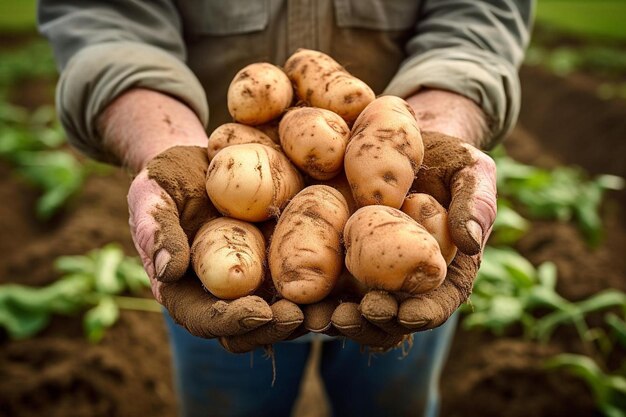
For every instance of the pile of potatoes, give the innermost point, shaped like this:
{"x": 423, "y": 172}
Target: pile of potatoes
{"x": 312, "y": 177}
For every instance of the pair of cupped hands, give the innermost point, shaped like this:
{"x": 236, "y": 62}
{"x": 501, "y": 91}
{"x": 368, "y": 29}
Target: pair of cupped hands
{"x": 166, "y": 211}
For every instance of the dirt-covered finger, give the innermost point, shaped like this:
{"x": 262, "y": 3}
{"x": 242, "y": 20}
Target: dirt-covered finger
{"x": 287, "y": 316}
{"x": 473, "y": 207}
{"x": 204, "y": 315}
{"x": 156, "y": 230}
{"x": 381, "y": 309}
{"x": 318, "y": 316}
{"x": 348, "y": 320}
{"x": 430, "y": 310}
{"x": 181, "y": 172}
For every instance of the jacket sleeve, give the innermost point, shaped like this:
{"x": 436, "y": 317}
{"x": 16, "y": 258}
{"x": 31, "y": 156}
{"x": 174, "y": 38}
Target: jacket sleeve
{"x": 473, "y": 48}
{"x": 105, "y": 47}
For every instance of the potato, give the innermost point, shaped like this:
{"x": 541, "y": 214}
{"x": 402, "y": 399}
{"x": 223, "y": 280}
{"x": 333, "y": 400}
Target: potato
{"x": 384, "y": 153}
{"x": 427, "y": 211}
{"x": 251, "y": 181}
{"x": 321, "y": 82}
{"x": 341, "y": 184}
{"x": 314, "y": 140}
{"x": 259, "y": 93}
{"x": 271, "y": 130}
{"x": 228, "y": 255}
{"x": 234, "y": 134}
{"x": 386, "y": 249}
{"x": 305, "y": 255}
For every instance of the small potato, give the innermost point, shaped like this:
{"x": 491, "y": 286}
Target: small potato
{"x": 314, "y": 140}
{"x": 386, "y": 249}
{"x": 427, "y": 211}
{"x": 305, "y": 255}
{"x": 259, "y": 93}
{"x": 341, "y": 184}
{"x": 228, "y": 256}
{"x": 321, "y": 82}
{"x": 384, "y": 153}
{"x": 251, "y": 182}
{"x": 271, "y": 130}
{"x": 235, "y": 134}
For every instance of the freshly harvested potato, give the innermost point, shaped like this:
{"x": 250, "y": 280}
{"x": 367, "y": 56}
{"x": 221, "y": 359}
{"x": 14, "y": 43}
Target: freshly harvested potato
{"x": 251, "y": 181}
{"x": 235, "y": 134}
{"x": 228, "y": 255}
{"x": 386, "y": 249}
{"x": 305, "y": 255}
{"x": 321, "y": 82}
{"x": 341, "y": 184}
{"x": 427, "y": 211}
{"x": 271, "y": 130}
{"x": 259, "y": 93}
{"x": 314, "y": 140}
{"x": 384, "y": 153}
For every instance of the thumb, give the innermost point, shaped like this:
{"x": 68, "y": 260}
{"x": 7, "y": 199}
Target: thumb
{"x": 473, "y": 209}
{"x": 156, "y": 230}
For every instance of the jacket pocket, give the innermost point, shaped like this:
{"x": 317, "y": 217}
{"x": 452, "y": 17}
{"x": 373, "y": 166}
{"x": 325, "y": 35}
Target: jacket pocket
{"x": 377, "y": 14}
{"x": 217, "y": 17}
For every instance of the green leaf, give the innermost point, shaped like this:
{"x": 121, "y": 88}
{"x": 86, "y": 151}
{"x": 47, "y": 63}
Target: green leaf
{"x": 547, "y": 275}
{"x": 618, "y": 326}
{"x": 107, "y": 261}
{"x": 99, "y": 318}
{"x": 131, "y": 272}
{"x": 609, "y": 391}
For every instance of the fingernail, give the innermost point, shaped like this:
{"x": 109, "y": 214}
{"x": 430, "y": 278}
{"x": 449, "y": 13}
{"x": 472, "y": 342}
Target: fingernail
{"x": 161, "y": 259}
{"x": 254, "y": 322}
{"x": 475, "y": 231}
{"x": 414, "y": 324}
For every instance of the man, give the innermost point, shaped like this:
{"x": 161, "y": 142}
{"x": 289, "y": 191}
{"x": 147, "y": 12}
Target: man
{"x": 136, "y": 79}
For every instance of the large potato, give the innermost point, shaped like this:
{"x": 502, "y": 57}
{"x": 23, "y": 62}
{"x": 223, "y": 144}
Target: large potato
{"x": 251, "y": 182}
{"x": 427, "y": 211}
{"x": 384, "y": 153}
{"x": 321, "y": 82}
{"x": 386, "y": 249}
{"x": 235, "y": 134}
{"x": 314, "y": 140}
{"x": 228, "y": 255}
{"x": 259, "y": 93}
{"x": 305, "y": 255}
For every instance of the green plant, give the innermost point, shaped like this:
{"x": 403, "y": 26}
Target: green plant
{"x": 608, "y": 390}
{"x": 31, "y": 142}
{"x": 94, "y": 281}
{"x": 564, "y": 193}
{"x": 508, "y": 289}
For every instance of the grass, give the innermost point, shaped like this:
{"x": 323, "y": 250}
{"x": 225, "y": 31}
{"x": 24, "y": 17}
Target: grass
{"x": 17, "y": 16}
{"x": 590, "y": 19}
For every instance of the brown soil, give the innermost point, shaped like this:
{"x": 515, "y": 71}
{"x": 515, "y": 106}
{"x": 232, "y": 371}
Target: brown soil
{"x": 58, "y": 373}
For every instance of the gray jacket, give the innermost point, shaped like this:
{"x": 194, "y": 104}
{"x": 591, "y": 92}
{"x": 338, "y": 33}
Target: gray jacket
{"x": 191, "y": 49}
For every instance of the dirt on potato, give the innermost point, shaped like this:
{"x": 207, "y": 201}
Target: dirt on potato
{"x": 60, "y": 374}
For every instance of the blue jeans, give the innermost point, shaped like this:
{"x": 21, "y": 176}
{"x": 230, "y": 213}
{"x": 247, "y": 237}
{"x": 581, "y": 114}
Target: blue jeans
{"x": 212, "y": 382}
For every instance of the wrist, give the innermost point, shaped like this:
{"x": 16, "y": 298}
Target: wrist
{"x": 140, "y": 124}
{"x": 452, "y": 114}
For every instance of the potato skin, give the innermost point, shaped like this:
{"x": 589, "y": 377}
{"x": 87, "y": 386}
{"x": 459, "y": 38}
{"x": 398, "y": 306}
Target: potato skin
{"x": 384, "y": 153}
{"x": 321, "y": 82}
{"x": 341, "y": 184}
{"x": 386, "y": 249}
{"x": 314, "y": 140}
{"x": 427, "y": 211}
{"x": 251, "y": 182}
{"x": 228, "y": 255}
{"x": 259, "y": 93}
{"x": 235, "y": 134}
{"x": 305, "y": 255}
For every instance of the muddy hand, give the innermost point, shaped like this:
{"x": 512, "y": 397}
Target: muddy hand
{"x": 463, "y": 179}
{"x": 168, "y": 203}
